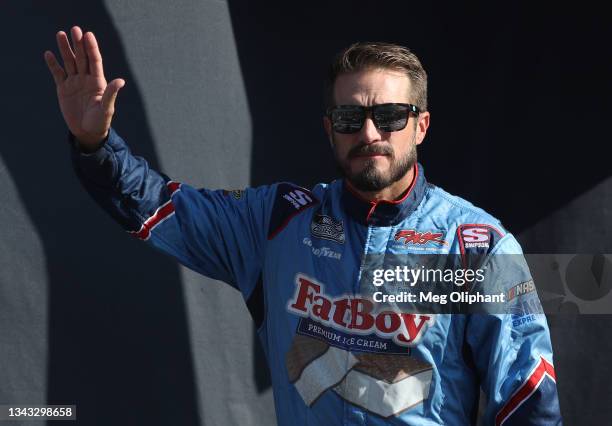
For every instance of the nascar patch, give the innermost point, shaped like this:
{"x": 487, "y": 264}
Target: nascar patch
{"x": 520, "y": 289}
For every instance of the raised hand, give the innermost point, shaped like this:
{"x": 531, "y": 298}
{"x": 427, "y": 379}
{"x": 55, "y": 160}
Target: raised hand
{"x": 86, "y": 100}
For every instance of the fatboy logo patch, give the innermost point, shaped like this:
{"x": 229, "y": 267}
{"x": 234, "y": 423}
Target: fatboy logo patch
{"x": 356, "y": 315}
{"x": 411, "y": 236}
{"x": 328, "y": 228}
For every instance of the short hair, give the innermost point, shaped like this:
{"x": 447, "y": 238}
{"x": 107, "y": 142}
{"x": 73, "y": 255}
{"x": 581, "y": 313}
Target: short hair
{"x": 377, "y": 55}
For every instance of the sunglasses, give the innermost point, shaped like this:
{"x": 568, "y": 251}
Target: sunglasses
{"x": 386, "y": 117}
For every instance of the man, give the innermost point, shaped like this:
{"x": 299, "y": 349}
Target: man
{"x": 310, "y": 264}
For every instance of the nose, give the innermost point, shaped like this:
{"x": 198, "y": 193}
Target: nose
{"x": 369, "y": 132}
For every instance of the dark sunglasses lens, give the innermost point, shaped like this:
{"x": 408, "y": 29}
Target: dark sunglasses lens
{"x": 347, "y": 120}
{"x": 391, "y": 118}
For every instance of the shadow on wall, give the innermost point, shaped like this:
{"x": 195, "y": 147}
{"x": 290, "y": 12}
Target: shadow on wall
{"x": 118, "y": 339}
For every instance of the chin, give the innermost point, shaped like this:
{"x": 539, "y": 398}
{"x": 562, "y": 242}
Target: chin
{"x": 371, "y": 179}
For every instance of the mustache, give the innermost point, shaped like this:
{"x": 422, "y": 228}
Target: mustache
{"x": 371, "y": 150}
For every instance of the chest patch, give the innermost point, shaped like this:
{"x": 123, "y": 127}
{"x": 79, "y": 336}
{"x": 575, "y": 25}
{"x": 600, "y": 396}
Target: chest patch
{"x": 327, "y": 228}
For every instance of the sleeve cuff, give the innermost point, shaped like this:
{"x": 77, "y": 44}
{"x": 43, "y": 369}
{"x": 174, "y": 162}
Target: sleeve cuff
{"x": 75, "y": 145}
{"x": 98, "y": 166}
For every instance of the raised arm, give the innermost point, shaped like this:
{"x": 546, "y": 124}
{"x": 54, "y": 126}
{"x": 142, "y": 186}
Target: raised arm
{"x": 220, "y": 234}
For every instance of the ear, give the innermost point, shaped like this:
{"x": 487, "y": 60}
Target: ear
{"x": 328, "y": 129}
{"x": 422, "y": 126}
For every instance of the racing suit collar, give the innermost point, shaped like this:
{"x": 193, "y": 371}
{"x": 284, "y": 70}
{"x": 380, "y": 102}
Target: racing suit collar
{"x": 385, "y": 213}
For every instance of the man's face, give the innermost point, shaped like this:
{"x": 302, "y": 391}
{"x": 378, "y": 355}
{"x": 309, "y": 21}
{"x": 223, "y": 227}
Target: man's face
{"x": 372, "y": 159}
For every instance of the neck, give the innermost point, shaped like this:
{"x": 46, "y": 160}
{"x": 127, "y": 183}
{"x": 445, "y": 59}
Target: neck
{"x": 393, "y": 192}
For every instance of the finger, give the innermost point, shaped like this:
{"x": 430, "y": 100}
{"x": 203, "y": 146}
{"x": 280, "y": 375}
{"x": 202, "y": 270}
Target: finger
{"x": 56, "y": 70}
{"x": 110, "y": 94}
{"x": 81, "y": 58}
{"x": 93, "y": 55}
{"x": 66, "y": 52}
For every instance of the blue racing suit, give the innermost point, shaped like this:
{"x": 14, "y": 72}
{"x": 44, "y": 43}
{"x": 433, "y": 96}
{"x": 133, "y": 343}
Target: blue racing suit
{"x": 312, "y": 266}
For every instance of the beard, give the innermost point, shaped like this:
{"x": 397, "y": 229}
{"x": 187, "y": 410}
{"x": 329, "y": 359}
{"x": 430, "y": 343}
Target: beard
{"x": 369, "y": 178}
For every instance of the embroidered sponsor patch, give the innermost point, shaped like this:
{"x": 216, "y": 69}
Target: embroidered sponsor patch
{"x": 411, "y": 236}
{"x": 525, "y": 307}
{"x": 345, "y": 345}
{"x": 321, "y": 251}
{"x": 298, "y": 198}
{"x": 355, "y": 314}
{"x": 520, "y": 289}
{"x": 328, "y": 228}
{"x": 475, "y": 237}
{"x": 290, "y": 201}
{"x": 236, "y": 193}
{"x": 478, "y": 236}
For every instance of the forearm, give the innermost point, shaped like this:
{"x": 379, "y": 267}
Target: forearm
{"x": 122, "y": 184}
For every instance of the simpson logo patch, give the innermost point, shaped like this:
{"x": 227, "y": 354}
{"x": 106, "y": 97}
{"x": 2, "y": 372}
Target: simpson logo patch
{"x": 411, "y": 236}
{"x": 478, "y": 236}
{"x": 475, "y": 237}
{"x": 290, "y": 201}
{"x": 298, "y": 198}
{"x": 328, "y": 228}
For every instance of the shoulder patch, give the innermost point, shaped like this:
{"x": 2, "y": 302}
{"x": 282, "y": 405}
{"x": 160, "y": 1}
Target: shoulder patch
{"x": 236, "y": 193}
{"x": 477, "y": 240}
{"x": 290, "y": 200}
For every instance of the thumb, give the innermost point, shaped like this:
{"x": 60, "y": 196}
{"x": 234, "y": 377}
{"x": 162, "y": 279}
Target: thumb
{"x": 110, "y": 94}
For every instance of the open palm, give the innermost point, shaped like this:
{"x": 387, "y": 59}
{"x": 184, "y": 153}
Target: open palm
{"x": 86, "y": 100}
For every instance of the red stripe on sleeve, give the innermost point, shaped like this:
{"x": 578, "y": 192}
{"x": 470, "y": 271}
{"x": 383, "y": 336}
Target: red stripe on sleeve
{"x": 526, "y": 390}
{"x": 160, "y": 214}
